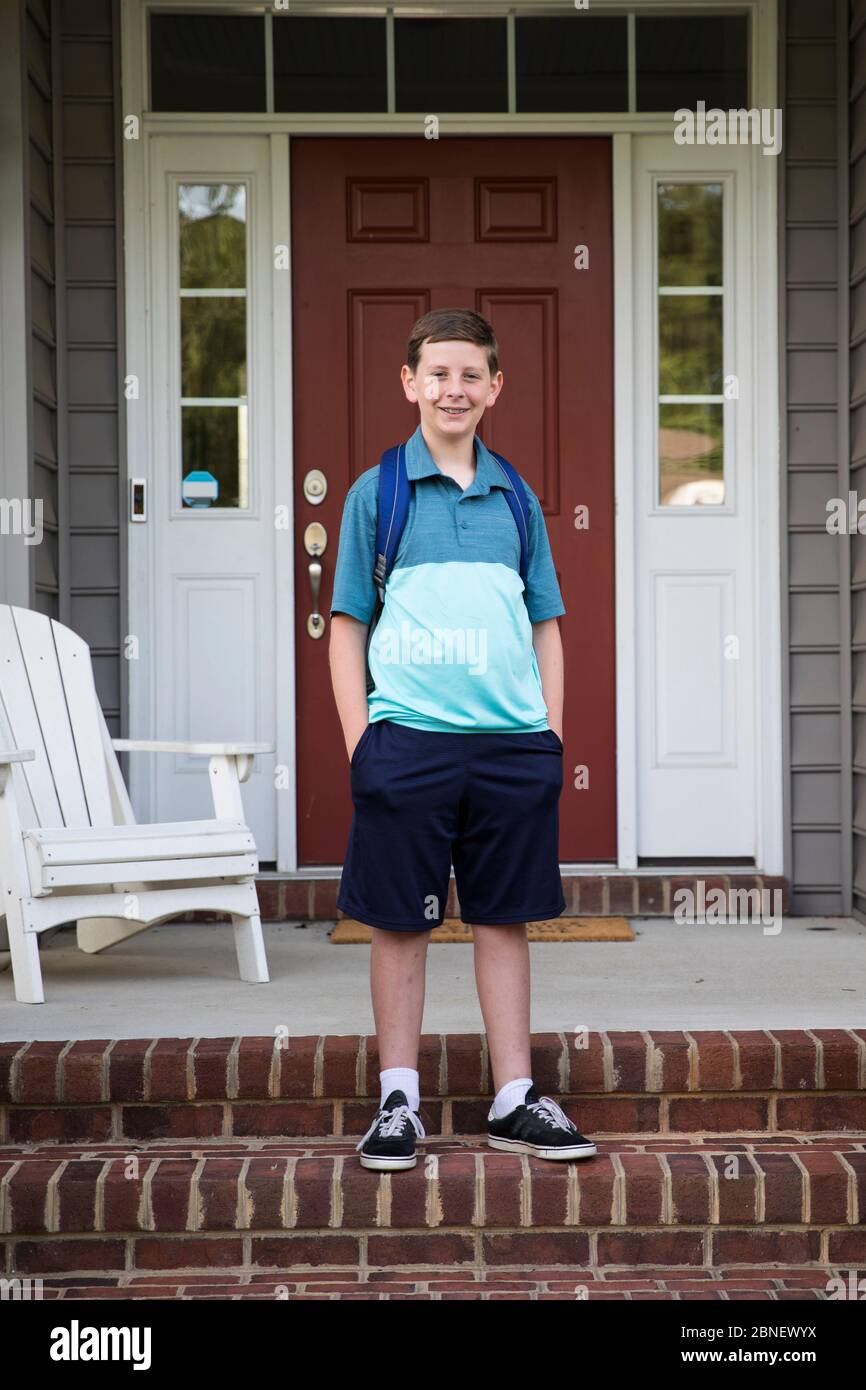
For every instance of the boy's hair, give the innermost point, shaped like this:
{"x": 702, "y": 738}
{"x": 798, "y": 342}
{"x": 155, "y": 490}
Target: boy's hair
{"x": 448, "y": 325}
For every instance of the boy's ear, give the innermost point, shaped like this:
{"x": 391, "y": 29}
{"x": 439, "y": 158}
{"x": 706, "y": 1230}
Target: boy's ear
{"x": 408, "y": 384}
{"x": 496, "y": 384}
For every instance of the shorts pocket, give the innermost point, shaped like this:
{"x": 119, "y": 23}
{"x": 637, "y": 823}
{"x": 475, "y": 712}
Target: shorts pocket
{"x": 360, "y": 745}
{"x": 556, "y": 739}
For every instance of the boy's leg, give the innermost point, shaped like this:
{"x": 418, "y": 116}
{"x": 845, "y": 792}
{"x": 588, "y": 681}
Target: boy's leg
{"x": 502, "y": 979}
{"x": 398, "y": 962}
{"x": 506, "y": 863}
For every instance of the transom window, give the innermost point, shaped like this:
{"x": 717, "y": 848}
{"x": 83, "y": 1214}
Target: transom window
{"x": 571, "y": 61}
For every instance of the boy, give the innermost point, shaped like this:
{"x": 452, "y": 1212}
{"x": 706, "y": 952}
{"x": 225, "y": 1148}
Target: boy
{"x": 457, "y": 751}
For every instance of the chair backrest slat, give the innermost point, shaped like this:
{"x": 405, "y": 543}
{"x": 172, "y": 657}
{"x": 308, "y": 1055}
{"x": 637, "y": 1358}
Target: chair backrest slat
{"x": 8, "y": 741}
{"x": 82, "y": 702}
{"x": 24, "y": 726}
{"x": 49, "y": 701}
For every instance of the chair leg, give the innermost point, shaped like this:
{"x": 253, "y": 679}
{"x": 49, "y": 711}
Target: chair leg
{"x": 24, "y": 948}
{"x": 250, "y": 948}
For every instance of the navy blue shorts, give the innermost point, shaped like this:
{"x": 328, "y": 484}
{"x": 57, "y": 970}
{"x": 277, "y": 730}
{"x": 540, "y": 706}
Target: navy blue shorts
{"x": 489, "y": 803}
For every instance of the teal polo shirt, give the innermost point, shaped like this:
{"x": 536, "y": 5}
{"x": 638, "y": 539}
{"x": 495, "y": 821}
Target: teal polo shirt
{"x": 452, "y": 651}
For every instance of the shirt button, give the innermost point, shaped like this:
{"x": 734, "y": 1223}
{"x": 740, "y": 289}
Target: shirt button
{"x": 464, "y": 524}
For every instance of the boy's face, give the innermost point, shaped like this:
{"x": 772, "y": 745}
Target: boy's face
{"x": 452, "y": 387}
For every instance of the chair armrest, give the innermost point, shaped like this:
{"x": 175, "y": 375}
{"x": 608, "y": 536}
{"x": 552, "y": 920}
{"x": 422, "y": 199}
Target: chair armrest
{"x": 146, "y": 745}
{"x": 7, "y": 758}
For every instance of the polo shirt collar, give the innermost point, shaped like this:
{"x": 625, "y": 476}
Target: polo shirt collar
{"x": 421, "y": 464}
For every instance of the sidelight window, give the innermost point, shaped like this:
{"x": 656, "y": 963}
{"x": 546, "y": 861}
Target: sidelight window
{"x": 212, "y": 244}
{"x": 690, "y": 344}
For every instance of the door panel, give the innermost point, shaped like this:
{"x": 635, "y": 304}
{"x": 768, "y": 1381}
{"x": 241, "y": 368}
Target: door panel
{"x": 695, "y": 558}
{"x": 384, "y": 230}
{"x": 205, "y": 667}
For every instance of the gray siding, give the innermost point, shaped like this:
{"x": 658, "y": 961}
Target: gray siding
{"x": 78, "y": 426}
{"x": 45, "y": 282}
{"x": 813, "y": 289}
{"x": 856, "y": 326}
{"x": 91, "y": 117}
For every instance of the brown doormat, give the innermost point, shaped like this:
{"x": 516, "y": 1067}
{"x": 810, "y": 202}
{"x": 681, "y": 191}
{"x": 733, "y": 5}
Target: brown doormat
{"x": 348, "y": 932}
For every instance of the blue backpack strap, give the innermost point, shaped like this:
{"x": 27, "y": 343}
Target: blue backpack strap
{"x": 394, "y": 494}
{"x": 519, "y": 504}
{"x": 392, "y": 509}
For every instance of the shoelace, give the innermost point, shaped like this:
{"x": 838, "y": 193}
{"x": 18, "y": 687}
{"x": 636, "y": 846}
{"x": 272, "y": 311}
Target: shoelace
{"x": 550, "y": 1112}
{"x": 394, "y": 1124}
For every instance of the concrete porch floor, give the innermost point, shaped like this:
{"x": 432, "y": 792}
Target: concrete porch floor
{"x": 180, "y": 980}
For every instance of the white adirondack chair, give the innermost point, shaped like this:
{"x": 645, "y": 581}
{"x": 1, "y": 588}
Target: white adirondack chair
{"x": 70, "y": 849}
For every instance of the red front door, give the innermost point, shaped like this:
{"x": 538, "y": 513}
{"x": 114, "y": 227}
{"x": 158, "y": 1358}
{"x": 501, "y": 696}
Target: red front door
{"x": 384, "y": 230}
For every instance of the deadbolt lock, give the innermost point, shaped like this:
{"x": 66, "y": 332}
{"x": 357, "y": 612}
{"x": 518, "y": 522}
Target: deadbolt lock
{"x": 315, "y": 486}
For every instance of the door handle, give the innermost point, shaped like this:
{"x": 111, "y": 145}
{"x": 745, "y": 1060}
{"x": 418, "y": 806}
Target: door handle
{"x": 315, "y": 621}
{"x": 315, "y": 543}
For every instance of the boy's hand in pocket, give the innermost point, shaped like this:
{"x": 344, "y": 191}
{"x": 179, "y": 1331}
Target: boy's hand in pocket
{"x": 350, "y": 748}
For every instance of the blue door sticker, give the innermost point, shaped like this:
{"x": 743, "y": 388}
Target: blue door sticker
{"x": 199, "y": 489}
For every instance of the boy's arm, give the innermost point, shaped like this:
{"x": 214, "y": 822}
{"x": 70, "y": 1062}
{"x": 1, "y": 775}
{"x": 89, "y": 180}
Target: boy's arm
{"x": 545, "y": 605}
{"x": 349, "y": 675}
{"x": 353, "y": 604}
{"x": 547, "y": 642}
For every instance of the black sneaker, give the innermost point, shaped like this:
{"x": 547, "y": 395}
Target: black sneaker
{"x": 539, "y": 1127}
{"x": 390, "y": 1141}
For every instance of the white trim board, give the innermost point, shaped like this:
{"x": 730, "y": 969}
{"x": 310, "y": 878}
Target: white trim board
{"x": 15, "y": 387}
{"x": 763, "y": 25}
{"x": 624, "y": 519}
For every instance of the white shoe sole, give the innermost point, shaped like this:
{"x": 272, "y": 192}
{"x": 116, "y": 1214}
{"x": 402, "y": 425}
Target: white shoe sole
{"x": 388, "y": 1164}
{"x": 520, "y": 1146}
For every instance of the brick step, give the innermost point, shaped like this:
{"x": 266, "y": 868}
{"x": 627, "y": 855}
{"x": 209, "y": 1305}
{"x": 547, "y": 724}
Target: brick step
{"x": 772, "y": 1116}
{"x": 681, "y": 1283}
{"x": 653, "y": 1083}
{"x": 614, "y": 893}
{"x": 118, "y": 1210}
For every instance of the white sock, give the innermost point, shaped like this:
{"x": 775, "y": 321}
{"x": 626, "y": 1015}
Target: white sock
{"x": 400, "y": 1079}
{"x": 508, "y": 1099}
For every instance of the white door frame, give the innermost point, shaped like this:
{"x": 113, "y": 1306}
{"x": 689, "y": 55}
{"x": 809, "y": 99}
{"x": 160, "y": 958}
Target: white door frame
{"x": 764, "y": 444}
{"x": 624, "y": 128}
{"x": 16, "y": 406}
{"x": 141, "y": 352}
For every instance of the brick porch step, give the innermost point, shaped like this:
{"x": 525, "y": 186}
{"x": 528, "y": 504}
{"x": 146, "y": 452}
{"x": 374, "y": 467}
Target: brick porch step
{"x": 649, "y": 1083}
{"x": 729, "y": 1283}
{"x": 291, "y": 1208}
{"x": 235, "y": 1158}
